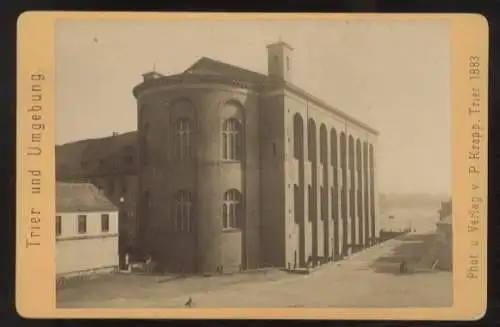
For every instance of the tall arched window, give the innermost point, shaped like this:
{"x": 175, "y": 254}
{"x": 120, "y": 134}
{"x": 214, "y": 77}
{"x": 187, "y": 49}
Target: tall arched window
{"x": 231, "y": 209}
{"x": 310, "y": 194}
{"x": 183, "y": 212}
{"x": 333, "y": 204}
{"x": 296, "y": 202}
{"x": 311, "y": 140}
{"x": 298, "y": 137}
{"x": 183, "y": 139}
{"x": 231, "y": 140}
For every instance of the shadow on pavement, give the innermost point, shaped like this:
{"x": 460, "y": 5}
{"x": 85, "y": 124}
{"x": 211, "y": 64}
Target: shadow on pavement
{"x": 411, "y": 248}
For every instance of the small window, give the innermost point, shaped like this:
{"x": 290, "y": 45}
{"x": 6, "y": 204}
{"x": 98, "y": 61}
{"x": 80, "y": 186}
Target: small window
{"x": 123, "y": 184}
{"x": 104, "y": 223}
{"x": 82, "y": 224}
{"x": 58, "y": 225}
{"x": 129, "y": 159}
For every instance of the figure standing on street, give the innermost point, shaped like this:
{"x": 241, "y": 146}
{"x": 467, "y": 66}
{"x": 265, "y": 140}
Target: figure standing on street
{"x": 403, "y": 267}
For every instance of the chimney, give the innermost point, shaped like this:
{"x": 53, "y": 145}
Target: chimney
{"x": 150, "y": 76}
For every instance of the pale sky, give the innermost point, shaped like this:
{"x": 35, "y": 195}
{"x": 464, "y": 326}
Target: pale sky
{"x": 394, "y": 76}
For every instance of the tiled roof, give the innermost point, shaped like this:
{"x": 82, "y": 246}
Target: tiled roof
{"x": 81, "y": 197}
{"x": 212, "y": 66}
{"x": 97, "y": 156}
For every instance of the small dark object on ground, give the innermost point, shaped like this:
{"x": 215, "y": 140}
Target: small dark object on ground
{"x": 403, "y": 267}
{"x": 189, "y": 303}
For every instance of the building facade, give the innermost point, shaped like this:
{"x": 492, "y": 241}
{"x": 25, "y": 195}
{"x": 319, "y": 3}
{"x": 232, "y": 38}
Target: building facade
{"x": 110, "y": 164}
{"x": 240, "y": 170}
{"x": 444, "y": 240}
{"x": 445, "y": 210}
{"x": 86, "y": 230}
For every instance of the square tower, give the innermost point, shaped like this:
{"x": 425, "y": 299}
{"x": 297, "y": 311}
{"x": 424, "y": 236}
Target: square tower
{"x": 279, "y": 61}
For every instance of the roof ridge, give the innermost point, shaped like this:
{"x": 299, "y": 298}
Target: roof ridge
{"x": 219, "y": 62}
{"x": 80, "y": 197}
{"x": 96, "y": 139}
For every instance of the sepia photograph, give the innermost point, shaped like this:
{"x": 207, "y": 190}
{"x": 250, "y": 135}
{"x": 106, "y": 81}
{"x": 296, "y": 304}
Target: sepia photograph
{"x": 253, "y": 163}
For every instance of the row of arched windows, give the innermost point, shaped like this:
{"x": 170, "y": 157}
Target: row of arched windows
{"x": 183, "y": 140}
{"x": 355, "y": 156}
{"x": 298, "y": 144}
{"x": 184, "y": 213}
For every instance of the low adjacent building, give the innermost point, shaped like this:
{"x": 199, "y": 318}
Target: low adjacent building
{"x": 445, "y": 210}
{"x": 110, "y": 164}
{"x": 86, "y": 230}
{"x": 444, "y": 239}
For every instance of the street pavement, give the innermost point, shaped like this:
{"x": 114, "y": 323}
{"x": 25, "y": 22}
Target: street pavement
{"x": 367, "y": 279}
{"x": 370, "y": 278}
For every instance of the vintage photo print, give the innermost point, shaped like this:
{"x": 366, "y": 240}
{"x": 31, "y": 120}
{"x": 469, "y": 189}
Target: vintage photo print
{"x": 296, "y": 166}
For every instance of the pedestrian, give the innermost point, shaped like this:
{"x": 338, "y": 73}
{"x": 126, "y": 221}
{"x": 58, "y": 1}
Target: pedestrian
{"x": 128, "y": 266}
{"x": 189, "y": 303}
{"x": 403, "y": 267}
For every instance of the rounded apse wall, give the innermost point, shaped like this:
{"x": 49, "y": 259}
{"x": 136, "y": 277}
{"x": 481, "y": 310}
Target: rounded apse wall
{"x": 194, "y": 140}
